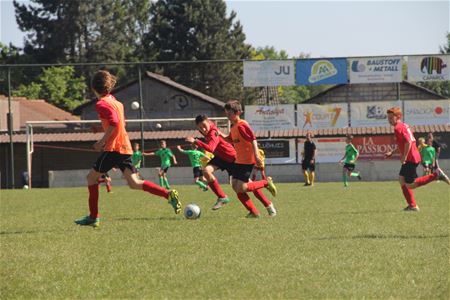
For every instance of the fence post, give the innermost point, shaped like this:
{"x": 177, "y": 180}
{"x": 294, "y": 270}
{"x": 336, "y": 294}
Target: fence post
{"x": 10, "y": 132}
{"x": 141, "y": 114}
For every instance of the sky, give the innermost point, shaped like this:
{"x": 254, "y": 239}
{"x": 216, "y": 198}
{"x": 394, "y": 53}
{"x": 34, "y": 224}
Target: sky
{"x": 322, "y": 28}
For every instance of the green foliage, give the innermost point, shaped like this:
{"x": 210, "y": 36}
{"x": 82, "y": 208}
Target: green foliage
{"x": 198, "y": 30}
{"x": 58, "y": 86}
{"x": 326, "y": 242}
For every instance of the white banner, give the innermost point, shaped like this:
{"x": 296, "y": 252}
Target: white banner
{"x": 376, "y": 69}
{"x": 314, "y": 116}
{"x": 429, "y": 68}
{"x": 368, "y": 114}
{"x": 329, "y": 150}
{"x": 427, "y": 112}
{"x": 270, "y": 117}
{"x": 269, "y": 73}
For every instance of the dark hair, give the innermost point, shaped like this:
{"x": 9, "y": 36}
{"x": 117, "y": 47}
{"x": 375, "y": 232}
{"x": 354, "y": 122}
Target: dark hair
{"x": 234, "y": 106}
{"x": 103, "y": 82}
{"x": 349, "y": 136}
{"x": 200, "y": 118}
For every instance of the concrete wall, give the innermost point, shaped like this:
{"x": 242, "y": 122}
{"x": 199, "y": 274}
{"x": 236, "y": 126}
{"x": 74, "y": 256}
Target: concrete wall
{"x": 370, "y": 171}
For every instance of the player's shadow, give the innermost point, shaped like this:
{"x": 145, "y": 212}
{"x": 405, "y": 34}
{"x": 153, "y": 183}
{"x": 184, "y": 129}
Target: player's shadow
{"x": 382, "y": 236}
{"x": 18, "y": 232}
{"x": 361, "y": 212}
{"x": 126, "y": 219}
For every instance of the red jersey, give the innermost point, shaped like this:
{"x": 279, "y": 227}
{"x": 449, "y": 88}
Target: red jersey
{"x": 110, "y": 112}
{"x": 403, "y": 134}
{"x": 242, "y": 136}
{"x": 216, "y": 144}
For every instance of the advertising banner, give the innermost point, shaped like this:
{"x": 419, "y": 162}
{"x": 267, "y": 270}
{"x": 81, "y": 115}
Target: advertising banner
{"x": 314, "y": 116}
{"x": 270, "y": 117}
{"x": 278, "y": 151}
{"x": 376, "y": 69}
{"x": 429, "y": 68}
{"x": 329, "y": 150}
{"x": 269, "y": 73}
{"x": 427, "y": 112}
{"x": 369, "y": 114}
{"x": 374, "y": 147}
{"x": 321, "y": 71}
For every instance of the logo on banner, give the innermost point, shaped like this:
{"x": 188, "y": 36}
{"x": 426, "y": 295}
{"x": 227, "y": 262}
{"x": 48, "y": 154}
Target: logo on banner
{"x": 321, "y": 70}
{"x": 267, "y": 111}
{"x": 358, "y": 67}
{"x": 375, "y": 112}
{"x": 374, "y": 147}
{"x": 436, "y": 111}
{"x": 432, "y": 65}
{"x": 332, "y": 115}
{"x": 286, "y": 70}
{"x": 377, "y": 65}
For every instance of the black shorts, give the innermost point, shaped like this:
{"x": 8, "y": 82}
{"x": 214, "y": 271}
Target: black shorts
{"x": 108, "y": 160}
{"x": 164, "y": 170}
{"x": 409, "y": 172}
{"x": 197, "y": 172}
{"x": 242, "y": 172}
{"x": 221, "y": 164}
{"x": 427, "y": 166}
{"x": 307, "y": 165}
{"x": 349, "y": 167}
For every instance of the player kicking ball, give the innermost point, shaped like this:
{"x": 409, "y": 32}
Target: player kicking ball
{"x": 349, "y": 160}
{"x": 116, "y": 151}
{"x": 410, "y": 159}
{"x": 194, "y": 157}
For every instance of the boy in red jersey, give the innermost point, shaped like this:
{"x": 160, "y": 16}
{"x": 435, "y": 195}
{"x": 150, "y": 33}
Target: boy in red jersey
{"x": 244, "y": 141}
{"x": 116, "y": 150}
{"x": 410, "y": 159}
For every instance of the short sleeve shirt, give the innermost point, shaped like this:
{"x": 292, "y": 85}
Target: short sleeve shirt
{"x": 165, "y": 154}
{"x": 403, "y": 135}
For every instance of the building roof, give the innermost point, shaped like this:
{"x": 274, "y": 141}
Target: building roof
{"x": 39, "y": 110}
{"x": 181, "y": 134}
{"x": 166, "y": 81}
{"x": 317, "y": 97}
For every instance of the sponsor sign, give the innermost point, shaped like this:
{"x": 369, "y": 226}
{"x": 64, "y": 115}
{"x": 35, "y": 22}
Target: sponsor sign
{"x": 375, "y": 69}
{"x": 329, "y": 150}
{"x": 269, "y": 73}
{"x": 321, "y": 71}
{"x": 270, "y": 117}
{"x": 429, "y": 68}
{"x": 427, "y": 112}
{"x": 314, "y": 116}
{"x": 369, "y": 114}
{"x": 373, "y": 147}
{"x": 278, "y": 151}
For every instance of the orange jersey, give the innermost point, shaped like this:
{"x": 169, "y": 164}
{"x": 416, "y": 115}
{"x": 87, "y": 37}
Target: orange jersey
{"x": 243, "y": 144}
{"x": 110, "y": 112}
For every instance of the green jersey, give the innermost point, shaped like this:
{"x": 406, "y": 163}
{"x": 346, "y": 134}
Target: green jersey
{"x": 165, "y": 154}
{"x": 194, "y": 157}
{"x": 137, "y": 158}
{"x": 350, "y": 154}
{"x": 428, "y": 153}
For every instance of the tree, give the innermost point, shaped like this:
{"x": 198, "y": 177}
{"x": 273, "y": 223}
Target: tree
{"x": 198, "y": 30}
{"x": 58, "y": 86}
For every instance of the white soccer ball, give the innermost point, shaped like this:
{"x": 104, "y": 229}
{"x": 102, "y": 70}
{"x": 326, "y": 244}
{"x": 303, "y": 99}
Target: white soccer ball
{"x": 135, "y": 105}
{"x": 158, "y": 125}
{"x": 25, "y": 187}
{"x": 192, "y": 211}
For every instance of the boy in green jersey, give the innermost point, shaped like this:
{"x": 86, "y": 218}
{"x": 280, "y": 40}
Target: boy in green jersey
{"x": 428, "y": 155}
{"x": 194, "y": 157}
{"x": 166, "y": 156}
{"x": 349, "y": 159}
{"x": 137, "y": 157}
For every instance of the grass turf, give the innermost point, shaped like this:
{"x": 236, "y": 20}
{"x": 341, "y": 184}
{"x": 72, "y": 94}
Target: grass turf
{"x": 326, "y": 242}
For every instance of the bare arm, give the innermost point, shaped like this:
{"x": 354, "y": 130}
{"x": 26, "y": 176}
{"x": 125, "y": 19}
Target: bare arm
{"x": 256, "y": 153}
{"x": 405, "y": 152}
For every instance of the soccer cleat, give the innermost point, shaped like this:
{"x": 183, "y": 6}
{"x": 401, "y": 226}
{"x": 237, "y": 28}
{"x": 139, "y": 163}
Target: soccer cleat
{"x": 220, "y": 203}
{"x": 307, "y": 184}
{"x": 359, "y": 176}
{"x": 271, "y": 187}
{"x": 271, "y": 210}
{"x": 205, "y": 189}
{"x": 88, "y": 221}
{"x": 410, "y": 208}
{"x": 251, "y": 215}
{"x": 175, "y": 201}
{"x": 442, "y": 176}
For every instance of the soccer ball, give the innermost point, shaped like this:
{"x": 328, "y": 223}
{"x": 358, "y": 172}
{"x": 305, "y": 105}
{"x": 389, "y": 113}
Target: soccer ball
{"x": 158, "y": 125}
{"x": 135, "y": 105}
{"x": 192, "y": 211}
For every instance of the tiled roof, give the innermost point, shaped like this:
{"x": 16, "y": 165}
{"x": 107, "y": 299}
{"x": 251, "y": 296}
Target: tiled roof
{"x": 39, "y": 110}
{"x": 181, "y": 134}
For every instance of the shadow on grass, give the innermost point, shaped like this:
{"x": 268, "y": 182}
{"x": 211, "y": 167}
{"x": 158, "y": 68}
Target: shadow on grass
{"x": 147, "y": 219}
{"x": 362, "y": 212}
{"x": 30, "y": 231}
{"x": 382, "y": 236}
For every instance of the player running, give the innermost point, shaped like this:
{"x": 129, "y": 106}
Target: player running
{"x": 194, "y": 157}
{"x": 309, "y": 160}
{"x": 244, "y": 141}
{"x": 349, "y": 160}
{"x": 409, "y": 158}
{"x": 166, "y": 156}
{"x": 116, "y": 150}
{"x": 427, "y": 154}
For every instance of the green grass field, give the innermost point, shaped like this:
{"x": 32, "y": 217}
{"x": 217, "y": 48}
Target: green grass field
{"x": 326, "y": 242}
